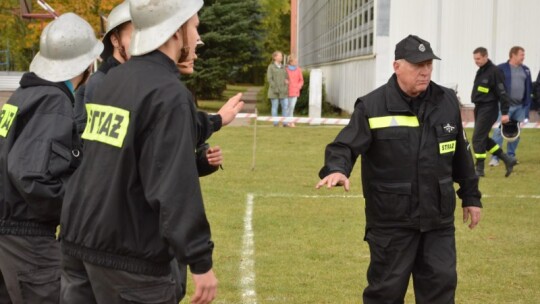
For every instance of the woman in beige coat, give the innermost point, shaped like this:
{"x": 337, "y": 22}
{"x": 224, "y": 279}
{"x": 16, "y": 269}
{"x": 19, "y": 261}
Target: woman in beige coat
{"x": 278, "y": 86}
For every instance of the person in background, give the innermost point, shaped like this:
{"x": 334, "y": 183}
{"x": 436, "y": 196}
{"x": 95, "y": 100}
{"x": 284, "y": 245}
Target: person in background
{"x": 488, "y": 92}
{"x": 296, "y": 81}
{"x": 518, "y": 84}
{"x": 39, "y": 151}
{"x": 277, "y": 86}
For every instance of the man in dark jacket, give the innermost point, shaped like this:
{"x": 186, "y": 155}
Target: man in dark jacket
{"x": 141, "y": 204}
{"x": 518, "y": 84}
{"x": 116, "y": 44}
{"x": 39, "y": 149}
{"x": 413, "y": 149}
{"x": 488, "y": 91}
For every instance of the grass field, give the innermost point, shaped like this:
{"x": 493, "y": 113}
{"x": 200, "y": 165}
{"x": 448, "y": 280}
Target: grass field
{"x": 306, "y": 246}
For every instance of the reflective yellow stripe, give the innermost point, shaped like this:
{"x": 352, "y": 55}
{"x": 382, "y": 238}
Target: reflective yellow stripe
{"x": 480, "y": 156}
{"x": 7, "y": 116}
{"x": 393, "y": 121}
{"x": 447, "y": 147}
{"x": 494, "y": 149}
{"x": 482, "y": 89}
{"x": 106, "y": 124}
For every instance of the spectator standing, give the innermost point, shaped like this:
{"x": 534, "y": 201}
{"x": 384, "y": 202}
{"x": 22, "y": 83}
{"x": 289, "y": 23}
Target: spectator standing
{"x": 278, "y": 86}
{"x": 296, "y": 81}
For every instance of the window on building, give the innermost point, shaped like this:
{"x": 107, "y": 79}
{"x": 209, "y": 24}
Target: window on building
{"x": 334, "y": 30}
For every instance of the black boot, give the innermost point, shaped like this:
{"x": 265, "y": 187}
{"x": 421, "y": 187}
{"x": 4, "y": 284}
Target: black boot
{"x": 480, "y": 167}
{"x": 509, "y": 163}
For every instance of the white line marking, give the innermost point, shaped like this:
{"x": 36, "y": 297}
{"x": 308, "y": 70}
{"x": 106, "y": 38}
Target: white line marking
{"x": 270, "y": 195}
{"x": 247, "y": 264}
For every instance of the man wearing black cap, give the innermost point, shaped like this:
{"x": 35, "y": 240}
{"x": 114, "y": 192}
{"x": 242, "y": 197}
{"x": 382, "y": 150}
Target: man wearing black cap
{"x": 413, "y": 148}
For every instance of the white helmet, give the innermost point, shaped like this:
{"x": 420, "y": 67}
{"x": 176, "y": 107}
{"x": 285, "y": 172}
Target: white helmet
{"x": 155, "y": 22}
{"x": 67, "y": 46}
{"x": 510, "y": 130}
{"x": 118, "y": 15}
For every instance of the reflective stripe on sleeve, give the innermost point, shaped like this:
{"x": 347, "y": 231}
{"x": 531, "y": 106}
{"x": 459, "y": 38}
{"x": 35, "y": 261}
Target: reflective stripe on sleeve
{"x": 482, "y": 89}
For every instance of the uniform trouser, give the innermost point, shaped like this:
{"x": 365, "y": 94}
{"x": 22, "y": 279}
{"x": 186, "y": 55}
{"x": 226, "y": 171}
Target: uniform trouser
{"x": 485, "y": 115}
{"x": 397, "y": 253}
{"x": 83, "y": 282}
{"x": 29, "y": 269}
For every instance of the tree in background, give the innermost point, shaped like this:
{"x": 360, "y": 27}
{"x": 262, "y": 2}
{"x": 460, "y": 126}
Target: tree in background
{"x": 276, "y": 24}
{"x": 230, "y": 30}
{"x": 22, "y": 35}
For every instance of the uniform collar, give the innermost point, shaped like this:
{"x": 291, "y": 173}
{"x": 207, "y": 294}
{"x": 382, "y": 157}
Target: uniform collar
{"x": 396, "y": 100}
{"x": 160, "y": 58}
{"x": 485, "y": 66}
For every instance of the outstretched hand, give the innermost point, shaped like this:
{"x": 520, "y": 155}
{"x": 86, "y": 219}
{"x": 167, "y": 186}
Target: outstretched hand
{"x": 229, "y": 110}
{"x": 333, "y": 180}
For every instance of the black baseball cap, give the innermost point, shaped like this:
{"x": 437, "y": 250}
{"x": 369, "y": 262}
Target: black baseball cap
{"x": 414, "y": 49}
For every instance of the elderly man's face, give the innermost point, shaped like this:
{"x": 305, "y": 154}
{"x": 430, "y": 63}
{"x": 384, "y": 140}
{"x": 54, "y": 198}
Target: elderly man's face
{"x": 413, "y": 78}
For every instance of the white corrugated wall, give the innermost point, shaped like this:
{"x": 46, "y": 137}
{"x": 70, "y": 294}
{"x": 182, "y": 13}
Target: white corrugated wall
{"x": 347, "y": 81}
{"x": 454, "y": 28}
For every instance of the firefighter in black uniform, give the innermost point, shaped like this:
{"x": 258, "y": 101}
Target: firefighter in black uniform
{"x": 413, "y": 148}
{"x": 116, "y": 43}
{"x": 141, "y": 204}
{"x": 39, "y": 149}
{"x": 488, "y": 91}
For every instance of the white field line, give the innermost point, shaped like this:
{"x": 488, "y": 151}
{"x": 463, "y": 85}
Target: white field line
{"x": 247, "y": 264}
{"x": 270, "y": 195}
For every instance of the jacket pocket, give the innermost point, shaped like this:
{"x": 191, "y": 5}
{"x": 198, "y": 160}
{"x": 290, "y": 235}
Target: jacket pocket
{"x": 379, "y": 253}
{"x": 448, "y": 197}
{"x": 389, "y": 201}
{"x": 59, "y": 160}
{"x": 40, "y": 285}
{"x": 156, "y": 294}
{"x": 32, "y": 156}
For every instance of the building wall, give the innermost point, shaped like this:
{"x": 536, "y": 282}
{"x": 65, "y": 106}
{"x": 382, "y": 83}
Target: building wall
{"x": 453, "y": 27}
{"x": 456, "y": 27}
{"x": 345, "y": 81}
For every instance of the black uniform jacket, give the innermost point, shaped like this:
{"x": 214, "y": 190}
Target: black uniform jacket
{"x": 206, "y": 124}
{"x": 409, "y": 165}
{"x": 38, "y": 139}
{"x": 489, "y": 87}
{"x": 136, "y": 199}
